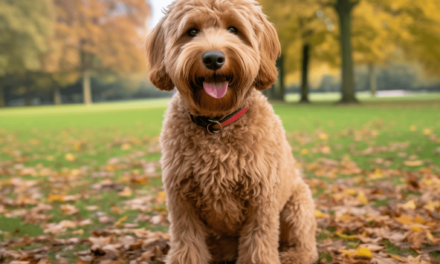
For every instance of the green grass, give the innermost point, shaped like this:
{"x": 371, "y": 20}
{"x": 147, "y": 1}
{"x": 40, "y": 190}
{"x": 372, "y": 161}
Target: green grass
{"x": 40, "y": 137}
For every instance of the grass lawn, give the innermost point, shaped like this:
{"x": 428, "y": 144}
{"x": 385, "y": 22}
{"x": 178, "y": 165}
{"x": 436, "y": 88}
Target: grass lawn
{"x": 88, "y": 164}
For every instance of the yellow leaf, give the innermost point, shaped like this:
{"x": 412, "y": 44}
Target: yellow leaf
{"x": 419, "y": 220}
{"x": 70, "y": 157}
{"x": 116, "y": 210}
{"x": 126, "y": 192}
{"x": 56, "y": 198}
{"x": 431, "y": 206}
{"x": 339, "y": 234}
{"x": 364, "y": 253}
{"x": 121, "y": 220}
{"x": 378, "y": 174}
{"x": 319, "y": 214}
{"x": 427, "y": 131}
{"x": 413, "y": 163}
{"x": 347, "y": 252}
{"x": 416, "y": 229}
{"x": 405, "y": 220}
{"x": 77, "y": 146}
{"x": 304, "y": 151}
{"x": 323, "y": 136}
{"x": 413, "y": 128}
{"x": 161, "y": 197}
{"x": 350, "y": 191}
{"x": 398, "y": 258}
{"x": 410, "y": 205}
{"x": 111, "y": 167}
{"x": 430, "y": 236}
{"x": 78, "y": 232}
{"x": 362, "y": 198}
{"x": 326, "y": 150}
{"x": 68, "y": 209}
{"x": 126, "y": 146}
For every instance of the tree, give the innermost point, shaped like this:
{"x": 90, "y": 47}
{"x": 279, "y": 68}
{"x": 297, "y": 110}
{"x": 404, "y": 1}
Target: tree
{"x": 416, "y": 29}
{"x": 344, "y": 10}
{"x": 369, "y": 31}
{"x": 24, "y": 27}
{"x": 297, "y": 25}
{"x": 98, "y": 36}
{"x": 372, "y": 40}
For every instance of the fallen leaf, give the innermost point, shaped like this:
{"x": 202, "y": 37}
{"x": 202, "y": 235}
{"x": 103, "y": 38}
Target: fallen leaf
{"x": 413, "y": 163}
{"x": 364, "y": 253}
{"x": 362, "y": 198}
{"x": 70, "y": 157}
{"x": 126, "y": 192}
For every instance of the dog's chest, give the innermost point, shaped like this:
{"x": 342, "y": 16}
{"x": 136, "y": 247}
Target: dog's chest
{"x": 220, "y": 187}
{"x": 221, "y": 206}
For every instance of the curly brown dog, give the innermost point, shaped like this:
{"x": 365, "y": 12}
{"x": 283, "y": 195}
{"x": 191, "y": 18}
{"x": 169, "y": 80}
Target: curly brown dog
{"x": 233, "y": 192}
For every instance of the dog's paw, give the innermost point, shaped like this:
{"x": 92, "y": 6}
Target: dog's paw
{"x": 193, "y": 257}
{"x": 293, "y": 256}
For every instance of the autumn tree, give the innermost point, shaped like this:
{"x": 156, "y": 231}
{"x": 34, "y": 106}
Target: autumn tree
{"x": 373, "y": 42}
{"x": 415, "y": 27}
{"x": 299, "y": 28}
{"x": 25, "y": 27}
{"x": 97, "y": 36}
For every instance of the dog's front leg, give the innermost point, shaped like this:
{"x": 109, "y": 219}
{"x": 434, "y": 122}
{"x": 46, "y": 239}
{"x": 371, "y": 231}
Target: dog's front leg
{"x": 188, "y": 242}
{"x": 258, "y": 242}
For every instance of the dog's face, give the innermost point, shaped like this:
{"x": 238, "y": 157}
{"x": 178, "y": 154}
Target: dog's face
{"x": 214, "y": 52}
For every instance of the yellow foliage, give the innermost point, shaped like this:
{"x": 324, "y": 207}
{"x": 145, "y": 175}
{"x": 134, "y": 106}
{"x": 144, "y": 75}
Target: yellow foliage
{"x": 161, "y": 197}
{"x": 410, "y": 205}
{"x": 120, "y": 221}
{"x": 56, "y": 198}
{"x": 364, "y": 253}
{"x": 362, "y": 198}
{"x": 126, "y": 192}
{"x": 319, "y": 214}
{"x": 96, "y": 35}
{"x": 70, "y": 157}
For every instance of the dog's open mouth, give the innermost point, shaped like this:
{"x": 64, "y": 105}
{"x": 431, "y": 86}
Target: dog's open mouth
{"x": 216, "y": 86}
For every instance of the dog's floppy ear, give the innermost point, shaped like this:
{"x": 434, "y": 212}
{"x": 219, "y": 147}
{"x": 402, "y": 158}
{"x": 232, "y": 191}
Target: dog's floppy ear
{"x": 155, "y": 59}
{"x": 270, "y": 49}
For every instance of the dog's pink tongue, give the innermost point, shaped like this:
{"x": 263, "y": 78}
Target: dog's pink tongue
{"x": 215, "y": 89}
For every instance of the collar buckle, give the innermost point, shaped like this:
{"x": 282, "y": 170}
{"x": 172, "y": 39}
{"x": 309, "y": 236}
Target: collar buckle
{"x": 212, "y": 123}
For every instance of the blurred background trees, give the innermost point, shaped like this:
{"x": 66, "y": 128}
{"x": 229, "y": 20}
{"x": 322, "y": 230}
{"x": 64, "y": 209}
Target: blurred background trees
{"x": 25, "y": 27}
{"x": 51, "y": 44}
{"x": 345, "y": 33}
{"x": 73, "y": 51}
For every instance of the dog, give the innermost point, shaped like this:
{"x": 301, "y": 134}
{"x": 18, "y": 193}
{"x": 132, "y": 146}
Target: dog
{"x": 233, "y": 193}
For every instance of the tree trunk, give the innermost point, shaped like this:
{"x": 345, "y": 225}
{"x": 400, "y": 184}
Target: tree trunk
{"x": 276, "y": 92}
{"x": 2, "y": 96}
{"x": 87, "y": 90}
{"x": 281, "y": 87}
{"x": 373, "y": 81}
{"x": 344, "y": 8}
{"x": 57, "y": 96}
{"x": 28, "y": 97}
{"x": 305, "y": 74}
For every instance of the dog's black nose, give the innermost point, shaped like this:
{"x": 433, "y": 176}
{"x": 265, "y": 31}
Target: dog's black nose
{"x": 213, "y": 60}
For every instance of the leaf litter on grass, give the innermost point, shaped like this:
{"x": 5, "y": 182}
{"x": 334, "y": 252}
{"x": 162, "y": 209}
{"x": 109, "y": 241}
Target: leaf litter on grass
{"x": 113, "y": 210}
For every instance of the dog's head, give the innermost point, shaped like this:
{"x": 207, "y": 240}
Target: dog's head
{"x": 214, "y": 52}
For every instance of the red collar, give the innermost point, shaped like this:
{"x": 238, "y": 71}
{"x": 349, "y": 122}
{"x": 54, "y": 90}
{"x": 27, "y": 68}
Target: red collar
{"x": 214, "y": 126}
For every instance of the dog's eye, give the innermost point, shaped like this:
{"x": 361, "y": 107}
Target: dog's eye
{"x": 193, "y": 32}
{"x": 233, "y": 30}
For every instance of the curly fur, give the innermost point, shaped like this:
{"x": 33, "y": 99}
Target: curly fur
{"x": 233, "y": 196}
